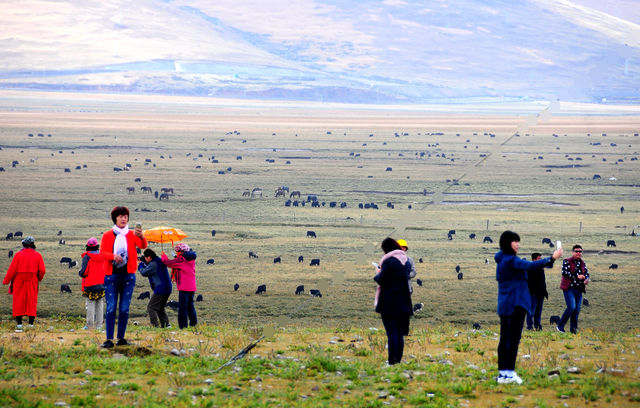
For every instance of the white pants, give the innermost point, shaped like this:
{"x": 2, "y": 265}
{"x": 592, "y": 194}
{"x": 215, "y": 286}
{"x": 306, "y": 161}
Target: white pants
{"x": 95, "y": 313}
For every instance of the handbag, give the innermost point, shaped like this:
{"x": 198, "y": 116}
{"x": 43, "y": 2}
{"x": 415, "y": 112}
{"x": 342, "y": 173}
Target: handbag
{"x": 565, "y": 283}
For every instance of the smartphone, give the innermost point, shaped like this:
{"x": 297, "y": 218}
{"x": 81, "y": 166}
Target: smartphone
{"x": 375, "y": 265}
{"x": 558, "y": 244}
{"x": 138, "y": 226}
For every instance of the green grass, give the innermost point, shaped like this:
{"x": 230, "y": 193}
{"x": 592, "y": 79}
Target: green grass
{"x": 54, "y": 368}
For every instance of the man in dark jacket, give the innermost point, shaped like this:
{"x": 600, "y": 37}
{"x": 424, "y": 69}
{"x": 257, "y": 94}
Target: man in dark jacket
{"x": 538, "y": 289}
{"x": 160, "y": 281}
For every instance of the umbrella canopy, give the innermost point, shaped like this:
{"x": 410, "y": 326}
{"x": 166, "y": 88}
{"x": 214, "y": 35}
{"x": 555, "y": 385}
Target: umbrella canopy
{"x": 164, "y": 234}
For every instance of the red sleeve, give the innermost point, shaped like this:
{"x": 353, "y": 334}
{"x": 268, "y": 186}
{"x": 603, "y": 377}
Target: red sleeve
{"x": 106, "y": 246}
{"x": 41, "y": 269}
{"x": 11, "y": 272}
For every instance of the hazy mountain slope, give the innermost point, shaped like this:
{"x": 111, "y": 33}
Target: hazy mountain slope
{"x": 368, "y": 51}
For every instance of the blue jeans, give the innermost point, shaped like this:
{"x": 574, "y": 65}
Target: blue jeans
{"x": 510, "y": 334}
{"x": 186, "y": 309}
{"x": 395, "y": 326}
{"x": 534, "y": 320}
{"x": 118, "y": 285}
{"x": 573, "y": 299}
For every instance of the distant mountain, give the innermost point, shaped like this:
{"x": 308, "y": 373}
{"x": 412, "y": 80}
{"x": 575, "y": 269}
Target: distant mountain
{"x": 390, "y": 51}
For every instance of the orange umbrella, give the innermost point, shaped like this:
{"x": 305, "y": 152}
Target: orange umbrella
{"x": 164, "y": 234}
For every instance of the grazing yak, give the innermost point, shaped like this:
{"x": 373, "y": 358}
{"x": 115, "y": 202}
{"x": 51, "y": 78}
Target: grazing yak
{"x": 315, "y": 292}
{"x": 554, "y": 319}
{"x": 199, "y": 298}
{"x": 277, "y": 260}
{"x": 211, "y": 261}
{"x": 311, "y": 234}
{"x": 173, "y": 304}
{"x": 613, "y": 266}
{"x": 17, "y": 234}
{"x": 64, "y": 288}
{"x": 315, "y": 262}
{"x": 65, "y": 259}
{"x": 419, "y": 282}
{"x": 417, "y": 307}
{"x": 261, "y": 289}
{"x": 472, "y": 236}
{"x": 476, "y": 326}
{"x": 236, "y": 287}
{"x": 487, "y": 239}
{"x": 10, "y": 253}
{"x": 460, "y": 275}
{"x": 300, "y": 259}
{"x": 253, "y": 254}
{"x": 72, "y": 264}
{"x": 610, "y": 243}
{"x": 300, "y": 290}
{"x": 546, "y": 240}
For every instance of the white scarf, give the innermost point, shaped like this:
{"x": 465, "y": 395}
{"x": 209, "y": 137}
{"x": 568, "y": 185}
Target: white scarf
{"x": 120, "y": 244}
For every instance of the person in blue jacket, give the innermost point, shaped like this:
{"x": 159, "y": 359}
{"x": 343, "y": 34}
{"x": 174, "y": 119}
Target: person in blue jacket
{"x": 514, "y": 301}
{"x": 158, "y": 274}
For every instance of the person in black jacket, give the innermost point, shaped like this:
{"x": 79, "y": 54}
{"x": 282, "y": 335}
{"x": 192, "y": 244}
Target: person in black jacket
{"x": 538, "y": 288}
{"x": 394, "y": 300}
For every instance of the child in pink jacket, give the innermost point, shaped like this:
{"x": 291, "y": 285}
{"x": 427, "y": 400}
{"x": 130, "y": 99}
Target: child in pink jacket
{"x": 184, "y": 273}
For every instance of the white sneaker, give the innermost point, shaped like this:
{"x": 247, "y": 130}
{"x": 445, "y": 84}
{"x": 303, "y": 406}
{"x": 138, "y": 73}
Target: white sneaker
{"x": 19, "y": 328}
{"x": 517, "y": 378}
{"x": 502, "y": 379}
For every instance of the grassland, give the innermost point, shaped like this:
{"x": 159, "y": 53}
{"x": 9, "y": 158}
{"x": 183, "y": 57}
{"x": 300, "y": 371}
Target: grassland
{"x": 477, "y": 174}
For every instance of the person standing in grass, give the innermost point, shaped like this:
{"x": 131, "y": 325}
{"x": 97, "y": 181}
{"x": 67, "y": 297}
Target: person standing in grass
{"x": 394, "y": 299}
{"x": 119, "y": 245}
{"x": 575, "y": 272}
{"x": 538, "y": 288}
{"x": 24, "y": 275}
{"x": 158, "y": 274}
{"x": 514, "y": 301}
{"x": 92, "y": 274}
{"x": 184, "y": 272}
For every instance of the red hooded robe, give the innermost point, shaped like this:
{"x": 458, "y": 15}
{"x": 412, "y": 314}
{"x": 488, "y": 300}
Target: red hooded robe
{"x": 24, "y": 274}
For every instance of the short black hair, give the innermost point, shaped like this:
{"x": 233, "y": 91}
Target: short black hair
{"x": 119, "y": 210}
{"x": 576, "y": 246}
{"x": 150, "y": 253}
{"x": 506, "y": 239}
{"x": 535, "y": 255}
{"x": 389, "y": 244}
{"x": 32, "y": 246}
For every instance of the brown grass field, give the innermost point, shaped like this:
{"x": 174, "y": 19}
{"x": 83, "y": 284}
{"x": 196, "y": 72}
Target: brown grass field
{"x": 480, "y": 172}
{"x": 475, "y": 173}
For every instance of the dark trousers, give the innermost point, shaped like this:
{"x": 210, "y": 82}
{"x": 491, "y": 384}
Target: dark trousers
{"x": 573, "y": 299}
{"x": 156, "y": 310}
{"x": 395, "y": 326}
{"x": 31, "y": 319}
{"x": 510, "y": 334}
{"x": 534, "y": 320}
{"x": 118, "y": 286}
{"x": 186, "y": 309}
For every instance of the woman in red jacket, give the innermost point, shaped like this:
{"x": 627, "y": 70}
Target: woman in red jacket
{"x": 118, "y": 245}
{"x": 24, "y": 274}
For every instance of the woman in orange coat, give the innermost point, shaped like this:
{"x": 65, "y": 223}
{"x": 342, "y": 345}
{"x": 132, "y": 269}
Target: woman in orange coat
{"x": 24, "y": 274}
